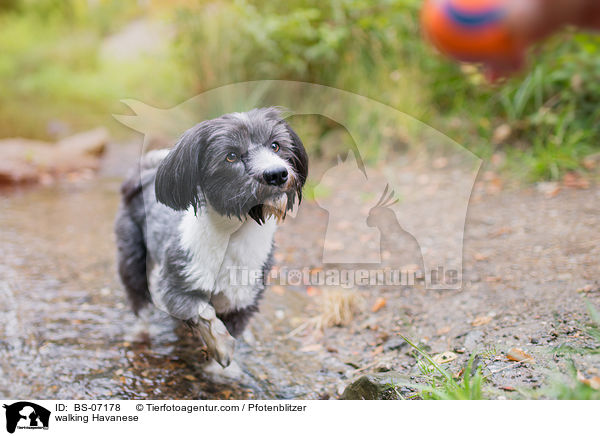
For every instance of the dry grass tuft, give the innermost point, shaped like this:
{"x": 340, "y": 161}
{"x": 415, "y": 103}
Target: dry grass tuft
{"x": 338, "y": 308}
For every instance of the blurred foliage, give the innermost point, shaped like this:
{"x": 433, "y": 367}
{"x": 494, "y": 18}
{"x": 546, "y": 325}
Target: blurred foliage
{"x": 553, "y": 111}
{"x": 357, "y": 45}
{"x": 50, "y": 67}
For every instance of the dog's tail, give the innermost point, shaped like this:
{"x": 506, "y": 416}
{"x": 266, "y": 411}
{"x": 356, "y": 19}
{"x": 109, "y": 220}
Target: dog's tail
{"x": 132, "y": 186}
{"x": 129, "y": 228}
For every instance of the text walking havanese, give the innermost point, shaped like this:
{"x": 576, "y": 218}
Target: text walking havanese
{"x": 212, "y": 203}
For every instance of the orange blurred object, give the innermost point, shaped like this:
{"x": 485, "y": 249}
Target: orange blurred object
{"x": 469, "y": 30}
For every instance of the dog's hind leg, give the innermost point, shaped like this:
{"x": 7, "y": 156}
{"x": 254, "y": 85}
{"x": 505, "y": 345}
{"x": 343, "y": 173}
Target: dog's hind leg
{"x": 131, "y": 254}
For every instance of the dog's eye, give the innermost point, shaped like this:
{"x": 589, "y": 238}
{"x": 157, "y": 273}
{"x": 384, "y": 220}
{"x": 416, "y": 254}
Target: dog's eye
{"x": 231, "y": 157}
{"x": 275, "y": 147}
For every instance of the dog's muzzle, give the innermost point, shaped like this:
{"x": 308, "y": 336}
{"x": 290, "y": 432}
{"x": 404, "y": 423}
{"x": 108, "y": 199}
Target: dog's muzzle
{"x": 278, "y": 194}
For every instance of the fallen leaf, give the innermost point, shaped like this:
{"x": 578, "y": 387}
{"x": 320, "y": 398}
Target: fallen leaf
{"x": 445, "y": 357}
{"x": 362, "y": 238}
{"x": 377, "y": 350}
{"x": 593, "y": 382}
{"x": 518, "y": 355}
{"x": 590, "y": 162}
{"x": 497, "y": 159}
{"x": 504, "y": 230}
{"x": 574, "y": 180}
{"x": 494, "y": 186}
{"x": 587, "y": 288}
{"x": 311, "y": 291}
{"x": 439, "y": 163}
{"x": 379, "y": 304}
{"x": 501, "y": 133}
{"x": 410, "y": 268}
{"x": 311, "y": 347}
{"x": 279, "y": 290}
{"x": 508, "y": 388}
{"x": 443, "y": 330}
{"x": 481, "y": 320}
{"x": 344, "y": 225}
{"x": 480, "y": 256}
{"x": 549, "y": 189}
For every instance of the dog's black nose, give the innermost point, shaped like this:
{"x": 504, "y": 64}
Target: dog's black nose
{"x": 277, "y": 176}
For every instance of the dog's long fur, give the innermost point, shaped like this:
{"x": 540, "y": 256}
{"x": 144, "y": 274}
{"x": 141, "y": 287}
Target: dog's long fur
{"x": 189, "y": 216}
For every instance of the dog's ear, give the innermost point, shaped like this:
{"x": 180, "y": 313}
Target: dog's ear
{"x": 178, "y": 175}
{"x": 299, "y": 159}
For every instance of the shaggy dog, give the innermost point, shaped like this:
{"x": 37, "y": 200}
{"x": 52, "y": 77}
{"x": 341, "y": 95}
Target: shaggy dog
{"x": 209, "y": 206}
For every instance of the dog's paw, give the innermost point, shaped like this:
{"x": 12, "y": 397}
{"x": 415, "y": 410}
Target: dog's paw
{"x": 142, "y": 330}
{"x": 219, "y": 343}
{"x": 224, "y": 343}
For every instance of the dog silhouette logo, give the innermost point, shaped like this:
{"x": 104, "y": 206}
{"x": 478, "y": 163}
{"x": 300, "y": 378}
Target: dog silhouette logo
{"x": 26, "y": 415}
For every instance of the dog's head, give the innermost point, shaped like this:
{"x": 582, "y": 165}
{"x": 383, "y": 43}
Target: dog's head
{"x": 241, "y": 164}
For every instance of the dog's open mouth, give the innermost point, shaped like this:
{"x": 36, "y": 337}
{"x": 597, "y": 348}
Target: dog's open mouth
{"x": 275, "y": 206}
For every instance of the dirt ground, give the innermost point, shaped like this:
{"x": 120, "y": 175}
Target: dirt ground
{"x": 530, "y": 265}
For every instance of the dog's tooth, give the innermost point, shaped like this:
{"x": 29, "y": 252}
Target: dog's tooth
{"x": 282, "y": 202}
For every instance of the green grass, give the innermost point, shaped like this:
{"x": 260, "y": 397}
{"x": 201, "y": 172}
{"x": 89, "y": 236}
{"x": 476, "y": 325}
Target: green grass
{"x": 571, "y": 388}
{"x": 441, "y": 385}
{"x": 593, "y": 329}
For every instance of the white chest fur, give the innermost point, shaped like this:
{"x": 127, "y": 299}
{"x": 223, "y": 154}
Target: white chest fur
{"x": 217, "y": 245}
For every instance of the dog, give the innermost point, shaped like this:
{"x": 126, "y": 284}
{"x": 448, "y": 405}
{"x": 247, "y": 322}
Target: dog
{"x": 190, "y": 215}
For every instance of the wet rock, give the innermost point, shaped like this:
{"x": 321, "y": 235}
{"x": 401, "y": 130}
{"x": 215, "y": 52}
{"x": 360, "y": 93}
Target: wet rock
{"x": 89, "y": 143}
{"x": 394, "y": 343}
{"x": 472, "y": 339}
{"x": 30, "y": 161}
{"x": 378, "y": 386}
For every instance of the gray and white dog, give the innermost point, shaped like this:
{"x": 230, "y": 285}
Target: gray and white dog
{"x": 210, "y": 204}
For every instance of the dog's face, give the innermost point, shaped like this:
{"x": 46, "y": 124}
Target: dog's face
{"x": 242, "y": 164}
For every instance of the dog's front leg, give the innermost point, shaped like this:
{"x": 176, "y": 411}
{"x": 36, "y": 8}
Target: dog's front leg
{"x": 212, "y": 331}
